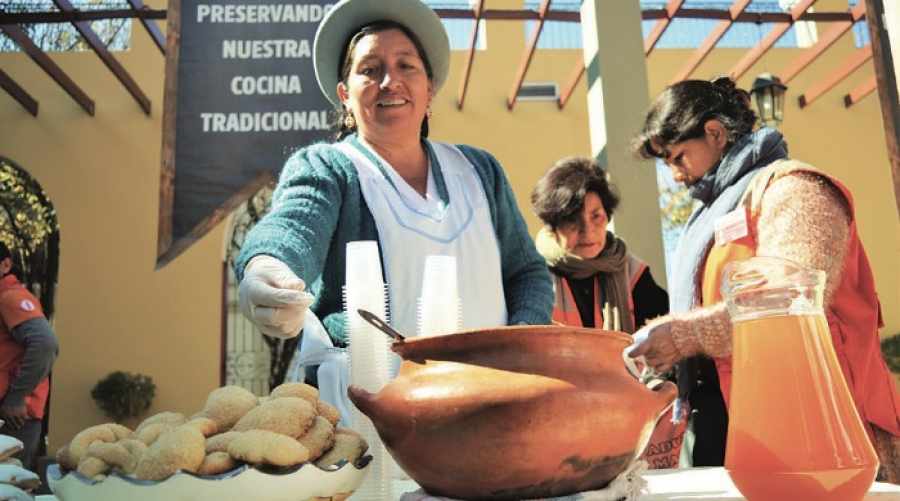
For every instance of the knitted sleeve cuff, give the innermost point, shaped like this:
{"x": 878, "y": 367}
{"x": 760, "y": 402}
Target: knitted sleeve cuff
{"x": 706, "y": 330}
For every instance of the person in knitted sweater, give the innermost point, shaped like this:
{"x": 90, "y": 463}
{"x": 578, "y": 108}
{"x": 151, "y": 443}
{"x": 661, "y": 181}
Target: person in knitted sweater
{"x": 705, "y": 132}
{"x": 380, "y": 64}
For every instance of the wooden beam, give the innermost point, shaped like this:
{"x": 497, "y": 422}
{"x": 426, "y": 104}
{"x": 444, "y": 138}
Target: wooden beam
{"x": 470, "y": 57}
{"x": 780, "y": 28}
{"x": 649, "y": 14}
{"x": 84, "y": 27}
{"x": 861, "y": 91}
{"x": 857, "y": 59}
{"x": 660, "y": 27}
{"x": 570, "y": 86}
{"x": 578, "y": 70}
{"x": 18, "y": 93}
{"x": 527, "y": 56}
{"x": 78, "y": 15}
{"x": 184, "y": 242}
{"x": 786, "y": 17}
{"x": 149, "y": 25}
{"x": 886, "y": 76}
{"x": 164, "y": 228}
{"x": 826, "y": 40}
{"x": 747, "y": 17}
{"x": 669, "y": 13}
{"x": 491, "y": 14}
{"x": 509, "y": 14}
{"x": 21, "y": 39}
{"x": 709, "y": 44}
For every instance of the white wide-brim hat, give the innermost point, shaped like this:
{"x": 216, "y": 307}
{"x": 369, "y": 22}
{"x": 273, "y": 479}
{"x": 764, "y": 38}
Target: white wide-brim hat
{"x": 348, "y": 16}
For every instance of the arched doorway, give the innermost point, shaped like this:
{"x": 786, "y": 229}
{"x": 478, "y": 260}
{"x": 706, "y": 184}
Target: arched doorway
{"x": 28, "y": 226}
{"x": 30, "y": 230}
{"x": 249, "y": 359}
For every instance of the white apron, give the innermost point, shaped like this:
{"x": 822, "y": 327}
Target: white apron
{"x": 411, "y": 227}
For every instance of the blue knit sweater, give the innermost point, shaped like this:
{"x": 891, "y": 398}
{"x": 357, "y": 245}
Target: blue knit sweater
{"x": 318, "y": 208}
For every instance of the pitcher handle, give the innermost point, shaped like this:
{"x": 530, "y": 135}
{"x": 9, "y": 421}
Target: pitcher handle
{"x": 665, "y": 391}
{"x": 644, "y": 373}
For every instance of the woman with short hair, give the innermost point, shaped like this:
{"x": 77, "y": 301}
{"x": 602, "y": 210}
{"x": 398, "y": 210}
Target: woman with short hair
{"x": 597, "y": 282}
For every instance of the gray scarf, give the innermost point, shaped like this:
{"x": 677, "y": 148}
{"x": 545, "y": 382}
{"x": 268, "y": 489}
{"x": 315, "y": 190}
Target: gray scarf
{"x": 719, "y": 192}
{"x": 610, "y": 267}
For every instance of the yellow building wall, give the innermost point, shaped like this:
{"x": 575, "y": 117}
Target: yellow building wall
{"x": 531, "y": 137}
{"x": 847, "y": 143}
{"x": 114, "y": 312}
{"x": 102, "y": 173}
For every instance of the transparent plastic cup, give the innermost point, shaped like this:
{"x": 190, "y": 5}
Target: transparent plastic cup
{"x": 369, "y": 356}
{"x": 439, "y": 282}
{"x": 363, "y": 268}
{"x": 439, "y": 317}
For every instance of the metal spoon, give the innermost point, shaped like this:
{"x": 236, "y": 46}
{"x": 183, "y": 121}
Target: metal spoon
{"x": 381, "y": 325}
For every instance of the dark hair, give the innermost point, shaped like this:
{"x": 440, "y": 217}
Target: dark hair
{"x": 347, "y": 61}
{"x": 558, "y": 197}
{"x": 5, "y": 252}
{"x": 682, "y": 110}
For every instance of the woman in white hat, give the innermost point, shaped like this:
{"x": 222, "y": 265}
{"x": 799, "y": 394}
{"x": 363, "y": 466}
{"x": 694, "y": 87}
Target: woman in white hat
{"x": 381, "y": 63}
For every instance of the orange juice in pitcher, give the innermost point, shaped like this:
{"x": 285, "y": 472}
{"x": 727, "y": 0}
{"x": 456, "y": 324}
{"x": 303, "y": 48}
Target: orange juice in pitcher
{"x": 794, "y": 432}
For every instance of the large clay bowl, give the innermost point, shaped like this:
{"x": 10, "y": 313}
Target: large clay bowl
{"x": 516, "y": 412}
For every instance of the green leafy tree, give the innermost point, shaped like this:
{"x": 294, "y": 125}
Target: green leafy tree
{"x": 676, "y": 205}
{"x": 890, "y": 346}
{"x": 63, "y": 37}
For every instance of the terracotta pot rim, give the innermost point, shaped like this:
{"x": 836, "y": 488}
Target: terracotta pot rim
{"x": 532, "y": 330}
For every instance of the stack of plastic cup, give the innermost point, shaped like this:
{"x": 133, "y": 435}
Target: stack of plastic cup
{"x": 369, "y": 363}
{"x": 439, "y": 304}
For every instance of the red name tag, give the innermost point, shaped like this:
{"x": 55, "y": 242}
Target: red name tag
{"x": 732, "y": 226}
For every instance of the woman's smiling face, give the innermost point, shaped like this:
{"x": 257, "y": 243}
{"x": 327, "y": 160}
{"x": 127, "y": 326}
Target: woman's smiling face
{"x": 388, "y": 89}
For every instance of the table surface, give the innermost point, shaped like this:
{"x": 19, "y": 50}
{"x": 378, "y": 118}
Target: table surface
{"x": 681, "y": 484}
{"x": 715, "y": 484}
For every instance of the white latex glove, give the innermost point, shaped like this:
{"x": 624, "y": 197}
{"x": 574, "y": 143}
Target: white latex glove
{"x": 273, "y": 297}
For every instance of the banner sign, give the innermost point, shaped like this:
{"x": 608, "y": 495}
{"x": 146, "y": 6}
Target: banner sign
{"x": 241, "y": 96}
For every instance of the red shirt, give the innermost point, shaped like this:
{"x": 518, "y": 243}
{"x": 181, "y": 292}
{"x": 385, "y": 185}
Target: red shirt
{"x": 17, "y": 305}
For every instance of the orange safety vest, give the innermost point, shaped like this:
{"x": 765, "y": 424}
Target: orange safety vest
{"x": 854, "y": 313}
{"x": 16, "y": 306}
{"x": 565, "y": 310}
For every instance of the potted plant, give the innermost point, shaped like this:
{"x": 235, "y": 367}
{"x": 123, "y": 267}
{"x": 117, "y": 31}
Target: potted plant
{"x": 124, "y": 396}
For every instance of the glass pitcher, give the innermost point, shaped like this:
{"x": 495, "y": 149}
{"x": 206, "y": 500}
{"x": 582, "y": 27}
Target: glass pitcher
{"x": 794, "y": 432}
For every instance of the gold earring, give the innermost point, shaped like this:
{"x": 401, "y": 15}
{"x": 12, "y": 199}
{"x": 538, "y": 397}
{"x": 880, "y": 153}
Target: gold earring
{"x": 349, "y": 121}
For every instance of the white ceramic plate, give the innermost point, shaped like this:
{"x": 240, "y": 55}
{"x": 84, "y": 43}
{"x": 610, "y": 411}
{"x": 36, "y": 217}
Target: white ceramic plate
{"x": 296, "y": 484}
